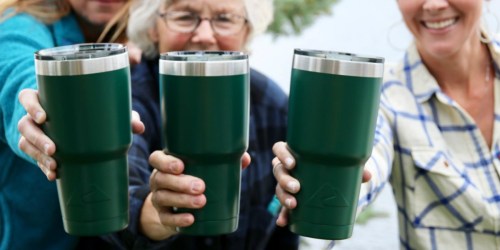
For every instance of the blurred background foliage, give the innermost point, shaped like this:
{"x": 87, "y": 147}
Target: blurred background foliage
{"x": 291, "y": 17}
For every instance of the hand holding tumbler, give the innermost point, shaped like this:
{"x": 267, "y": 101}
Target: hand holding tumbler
{"x": 333, "y": 107}
{"x": 85, "y": 91}
{"x": 205, "y": 116}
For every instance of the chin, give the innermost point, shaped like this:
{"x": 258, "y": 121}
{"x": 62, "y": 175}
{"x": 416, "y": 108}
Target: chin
{"x": 100, "y": 20}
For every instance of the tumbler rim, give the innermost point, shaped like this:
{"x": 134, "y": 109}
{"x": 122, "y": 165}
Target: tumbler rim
{"x": 204, "y": 63}
{"x": 81, "y": 59}
{"x": 338, "y": 63}
{"x": 204, "y": 56}
{"x": 341, "y": 56}
{"x": 80, "y": 51}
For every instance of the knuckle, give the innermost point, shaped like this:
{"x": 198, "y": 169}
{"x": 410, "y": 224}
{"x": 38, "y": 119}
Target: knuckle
{"x": 21, "y": 124}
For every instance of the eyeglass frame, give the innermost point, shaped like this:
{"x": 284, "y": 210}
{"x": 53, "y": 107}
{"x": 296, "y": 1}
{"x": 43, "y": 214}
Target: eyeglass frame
{"x": 164, "y": 17}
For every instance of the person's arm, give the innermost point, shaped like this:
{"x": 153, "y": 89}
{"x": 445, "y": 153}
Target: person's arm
{"x": 20, "y": 37}
{"x": 380, "y": 162}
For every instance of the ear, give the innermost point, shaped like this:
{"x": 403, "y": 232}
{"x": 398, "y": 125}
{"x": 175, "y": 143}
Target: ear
{"x": 153, "y": 34}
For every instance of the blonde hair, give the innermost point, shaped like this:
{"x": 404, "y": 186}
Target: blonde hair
{"x": 143, "y": 16}
{"x": 47, "y": 11}
{"x": 50, "y": 11}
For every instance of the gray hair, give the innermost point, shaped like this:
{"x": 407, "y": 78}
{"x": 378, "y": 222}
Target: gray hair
{"x": 143, "y": 17}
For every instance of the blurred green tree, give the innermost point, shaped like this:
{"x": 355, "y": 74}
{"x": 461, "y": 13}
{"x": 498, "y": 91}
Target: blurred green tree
{"x": 291, "y": 17}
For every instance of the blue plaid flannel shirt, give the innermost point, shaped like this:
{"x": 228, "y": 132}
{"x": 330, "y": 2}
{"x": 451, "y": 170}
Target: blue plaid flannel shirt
{"x": 444, "y": 176}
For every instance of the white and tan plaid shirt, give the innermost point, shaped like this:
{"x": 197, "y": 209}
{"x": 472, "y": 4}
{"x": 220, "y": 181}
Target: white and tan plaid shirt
{"x": 445, "y": 178}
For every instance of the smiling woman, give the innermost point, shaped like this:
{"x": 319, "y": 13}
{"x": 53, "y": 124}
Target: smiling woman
{"x": 437, "y": 135}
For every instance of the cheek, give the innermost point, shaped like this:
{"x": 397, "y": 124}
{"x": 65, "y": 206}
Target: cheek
{"x": 230, "y": 43}
{"x": 173, "y": 42}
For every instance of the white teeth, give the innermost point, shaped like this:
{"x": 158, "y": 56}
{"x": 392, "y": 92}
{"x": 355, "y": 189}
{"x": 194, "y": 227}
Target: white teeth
{"x": 441, "y": 24}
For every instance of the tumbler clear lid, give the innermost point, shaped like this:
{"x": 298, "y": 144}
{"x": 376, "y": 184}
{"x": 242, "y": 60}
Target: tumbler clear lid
{"x": 81, "y": 59}
{"x": 338, "y": 63}
{"x": 204, "y": 63}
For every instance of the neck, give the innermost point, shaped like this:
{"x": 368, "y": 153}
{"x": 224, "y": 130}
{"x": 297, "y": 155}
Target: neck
{"x": 91, "y": 32}
{"x": 463, "y": 70}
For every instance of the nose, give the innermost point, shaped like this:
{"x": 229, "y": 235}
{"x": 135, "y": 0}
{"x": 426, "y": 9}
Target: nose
{"x": 204, "y": 34}
{"x": 435, "y": 5}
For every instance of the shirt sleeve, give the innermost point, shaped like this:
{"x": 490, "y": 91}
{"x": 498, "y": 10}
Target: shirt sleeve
{"x": 380, "y": 162}
{"x": 20, "y": 36}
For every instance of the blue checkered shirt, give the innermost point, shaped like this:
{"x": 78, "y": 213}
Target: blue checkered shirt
{"x": 444, "y": 176}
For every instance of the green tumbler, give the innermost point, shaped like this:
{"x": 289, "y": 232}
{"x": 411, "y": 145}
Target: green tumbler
{"x": 333, "y": 106}
{"x": 85, "y": 91}
{"x": 205, "y": 115}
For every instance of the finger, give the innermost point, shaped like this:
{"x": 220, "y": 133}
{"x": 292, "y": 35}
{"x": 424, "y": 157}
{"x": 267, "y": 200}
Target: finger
{"x": 245, "y": 160}
{"x": 285, "y": 181}
{"x": 282, "y": 218}
{"x": 286, "y": 199}
{"x": 167, "y": 198}
{"x": 30, "y": 130}
{"x": 29, "y": 99}
{"x": 170, "y": 219}
{"x": 281, "y": 151}
{"x": 36, "y": 154}
{"x": 166, "y": 163}
{"x": 178, "y": 183}
{"x": 137, "y": 125}
{"x": 50, "y": 174}
{"x": 367, "y": 176}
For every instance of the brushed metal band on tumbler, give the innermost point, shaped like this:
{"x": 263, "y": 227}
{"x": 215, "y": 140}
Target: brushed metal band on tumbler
{"x": 204, "y": 63}
{"x": 81, "y": 59}
{"x": 338, "y": 63}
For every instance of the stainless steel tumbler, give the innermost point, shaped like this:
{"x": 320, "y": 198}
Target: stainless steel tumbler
{"x": 333, "y": 106}
{"x": 85, "y": 91}
{"x": 205, "y": 115}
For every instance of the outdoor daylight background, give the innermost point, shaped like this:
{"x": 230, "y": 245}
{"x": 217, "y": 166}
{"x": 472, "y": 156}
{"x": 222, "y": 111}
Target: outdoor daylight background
{"x": 361, "y": 27}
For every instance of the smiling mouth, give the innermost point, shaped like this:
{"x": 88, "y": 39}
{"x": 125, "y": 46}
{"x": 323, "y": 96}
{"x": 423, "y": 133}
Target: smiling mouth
{"x": 440, "y": 24}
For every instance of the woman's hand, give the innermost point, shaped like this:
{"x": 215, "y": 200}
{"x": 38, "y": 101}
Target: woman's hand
{"x": 171, "y": 188}
{"x": 35, "y": 143}
{"x": 287, "y": 185}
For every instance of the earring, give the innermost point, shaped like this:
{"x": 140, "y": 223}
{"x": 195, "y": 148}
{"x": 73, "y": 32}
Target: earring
{"x": 485, "y": 29}
{"x": 390, "y": 36}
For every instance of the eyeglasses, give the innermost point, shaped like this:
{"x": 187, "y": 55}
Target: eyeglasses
{"x": 224, "y": 24}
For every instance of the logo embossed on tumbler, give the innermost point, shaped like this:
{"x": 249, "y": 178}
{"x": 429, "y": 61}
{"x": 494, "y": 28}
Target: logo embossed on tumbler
{"x": 327, "y": 196}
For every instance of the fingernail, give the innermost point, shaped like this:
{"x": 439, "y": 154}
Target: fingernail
{"x": 292, "y": 186}
{"x": 195, "y": 186}
{"x": 289, "y": 162}
{"x": 197, "y": 201}
{"x": 46, "y": 148}
{"x": 38, "y": 117}
{"x": 288, "y": 202}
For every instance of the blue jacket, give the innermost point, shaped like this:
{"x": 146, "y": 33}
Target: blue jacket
{"x": 256, "y": 229}
{"x": 29, "y": 209}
